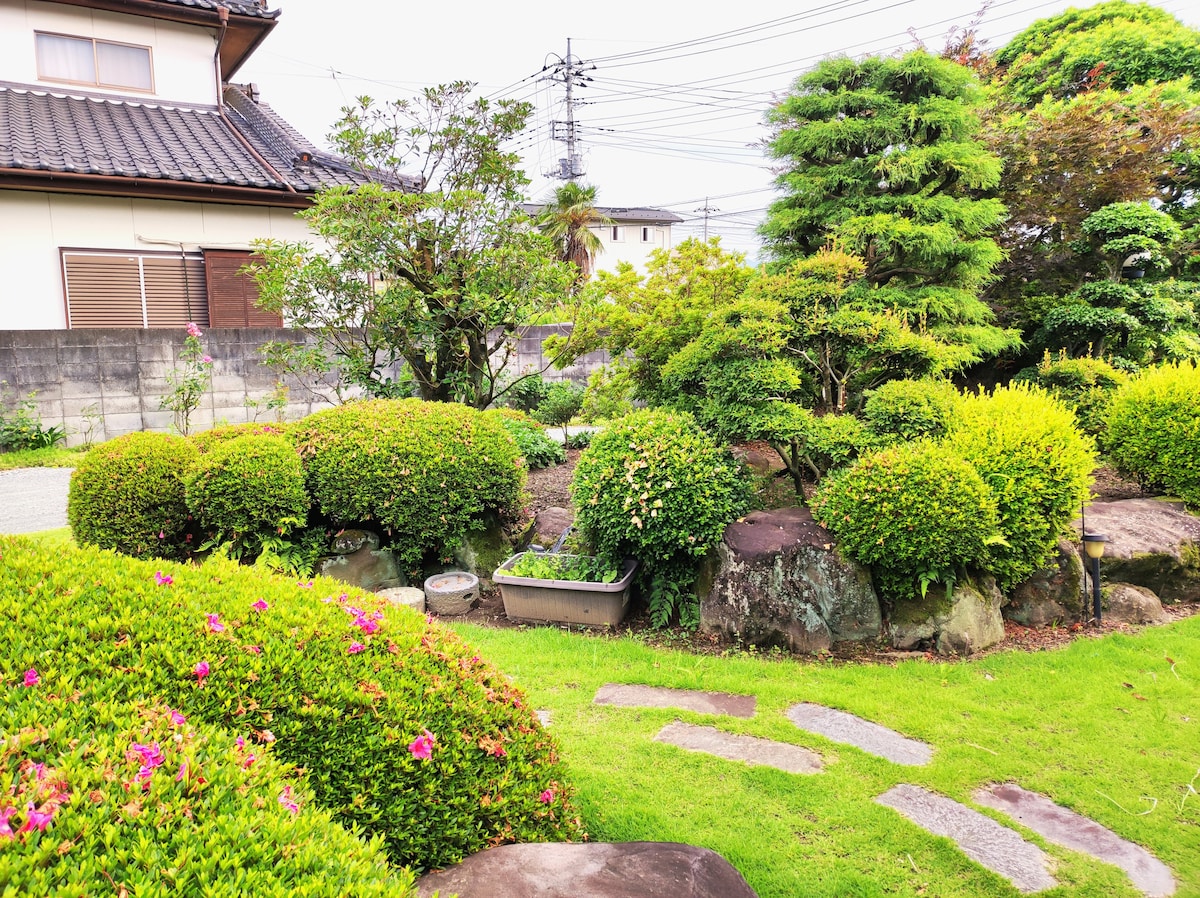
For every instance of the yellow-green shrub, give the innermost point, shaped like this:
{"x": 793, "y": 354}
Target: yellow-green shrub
{"x": 911, "y": 409}
{"x": 343, "y": 683}
{"x": 207, "y": 440}
{"x": 427, "y": 472}
{"x": 128, "y": 495}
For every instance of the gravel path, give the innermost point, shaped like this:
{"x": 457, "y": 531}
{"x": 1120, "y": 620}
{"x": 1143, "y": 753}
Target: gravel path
{"x": 33, "y": 499}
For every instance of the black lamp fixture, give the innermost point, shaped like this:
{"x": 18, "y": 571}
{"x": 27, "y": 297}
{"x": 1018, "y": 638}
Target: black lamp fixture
{"x": 1093, "y": 545}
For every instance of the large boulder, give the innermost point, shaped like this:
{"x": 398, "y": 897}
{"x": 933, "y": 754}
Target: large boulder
{"x": 1129, "y": 604}
{"x": 778, "y": 579}
{"x": 1052, "y": 595}
{"x": 358, "y": 560}
{"x": 485, "y": 549}
{"x": 596, "y": 870}
{"x": 1151, "y": 543}
{"x": 966, "y": 621}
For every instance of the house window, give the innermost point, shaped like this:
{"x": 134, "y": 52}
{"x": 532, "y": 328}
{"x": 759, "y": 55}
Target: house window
{"x": 618, "y": 235}
{"x": 647, "y": 235}
{"x": 82, "y": 60}
{"x": 114, "y": 289}
{"x": 233, "y": 294}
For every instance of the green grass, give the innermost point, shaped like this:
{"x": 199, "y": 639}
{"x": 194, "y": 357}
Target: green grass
{"x": 60, "y": 536}
{"x": 1108, "y": 727}
{"x": 41, "y": 458}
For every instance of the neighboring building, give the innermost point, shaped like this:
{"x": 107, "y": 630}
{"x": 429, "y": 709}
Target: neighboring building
{"x": 632, "y": 234}
{"x": 133, "y": 174}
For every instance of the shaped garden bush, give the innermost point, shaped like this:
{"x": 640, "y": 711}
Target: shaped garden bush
{"x": 207, "y": 440}
{"x": 128, "y": 495}
{"x": 1086, "y": 385}
{"x": 916, "y": 513}
{"x": 911, "y": 409}
{"x": 402, "y": 730}
{"x": 1154, "y": 429}
{"x": 655, "y": 487}
{"x": 538, "y": 450}
{"x": 427, "y": 472}
{"x": 138, "y": 798}
{"x": 1026, "y": 446}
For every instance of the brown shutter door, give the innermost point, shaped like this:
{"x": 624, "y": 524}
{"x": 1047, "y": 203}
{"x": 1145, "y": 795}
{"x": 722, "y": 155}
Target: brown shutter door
{"x": 175, "y": 291}
{"x": 103, "y": 291}
{"x": 231, "y": 295}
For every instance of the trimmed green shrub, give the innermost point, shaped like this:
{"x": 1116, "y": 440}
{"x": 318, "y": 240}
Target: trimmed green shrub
{"x": 128, "y": 495}
{"x": 916, "y": 513}
{"x": 539, "y": 450}
{"x": 1085, "y": 385}
{"x": 828, "y": 442}
{"x": 427, "y": 472}
{"x": 1154, "y": 429}
{"x": 526, "y": 394}
{"x": 139, "y": 797}
{"x": 911, "y": 409}
{"x": 246, "y": 488}
{"x": 402, "y": 730}
{"x": 1025, "y": 445}
{"x": 562, "y": 403}
{"x": 655, "y": 487}
{"x": 207, "y": 440}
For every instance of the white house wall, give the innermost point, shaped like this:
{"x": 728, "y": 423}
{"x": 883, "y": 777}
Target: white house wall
{"x": 34, "y": 226}
{"x": 181, "y": 55}
{"x": 631, "y": 248}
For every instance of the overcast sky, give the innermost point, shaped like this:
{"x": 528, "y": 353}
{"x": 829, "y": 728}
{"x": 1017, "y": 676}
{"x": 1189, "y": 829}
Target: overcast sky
{"x": 676, "y": 100}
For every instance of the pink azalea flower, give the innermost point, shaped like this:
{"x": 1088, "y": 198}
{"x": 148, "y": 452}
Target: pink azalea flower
{"x": 35, "y": 819}
{"x": 546, "y": 797}
{"x": 201, "y": 671}
{"x": 327, "y": 599}
{"x": 267, "y": 736}
{"x": 366, "y": 624}
{"x": 214, "y": 623}
{"x": 260, "y": 605}
{"x": 5, "y": 830}
{"x": 304, "y": 585}
{"x": 240, "y": 743}
{"x": 161, "y": 535}
{"x": 352, "y": 611}
{"x": 31, "y": 677}
{"x": 39, "y": 772}
{"x": 285, "y": 799}
{"x": 193, "y": 330}
{"x": 144, "y": 773}
{"x": 422, "y": 747}
{"x": 250, "y": 759}
{"x": 163, "y": 579}
{"x": 355, "y": 648}
{"x": 254, "y": 649}
{"x": 182, "y": 774}
{"x": 177, "y": 719}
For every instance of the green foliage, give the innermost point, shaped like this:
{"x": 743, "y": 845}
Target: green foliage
{"x": 911, "y": 409}
{"x": 917, "y": 513}
{"x": 539, "y": 450}
{"x": 1154, "y": 429}
{"x": 344, "y": 687}
{"x": 567, "y": 219}
{"x": 427, "y": 472}
{"x": 188, "y": 381}
{"x": 248, "y": 488}
{"x": 206, "y": 441}
{"x": 1133, "y": 232}
{"x": 526, "y": 394}
{"x": 21, "y": 427}
{"x": 154, "y": 806}
{"x": 653, "y": 486}
{"x": 1025, "y": 445}
{"x": 128, "y": 495}
{"x": 561, "y": 403}
{"x": 580, "y": 440}
{"x": 608, "y": 394}
{"x": 1085, "y": 385}
{"x": 576, "y": 568}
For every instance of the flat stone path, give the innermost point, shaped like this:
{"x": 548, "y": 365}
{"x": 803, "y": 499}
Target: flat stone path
{"x": 980, "y": 838}
{"x": 1063, "y": 827}
{"x": 33, "y": 499}
{"x": 735, "y": 747}
{"x": 872, "y": 738}
{"x": 628, "y": 696}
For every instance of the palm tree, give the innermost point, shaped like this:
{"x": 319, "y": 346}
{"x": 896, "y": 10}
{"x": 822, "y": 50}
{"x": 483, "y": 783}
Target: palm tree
{"x": 567, "y": 219}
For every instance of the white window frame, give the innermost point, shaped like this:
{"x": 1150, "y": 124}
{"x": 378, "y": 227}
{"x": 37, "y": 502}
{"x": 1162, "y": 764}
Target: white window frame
{"x": 97, "y": 82}
{"x": 618, "y": 234}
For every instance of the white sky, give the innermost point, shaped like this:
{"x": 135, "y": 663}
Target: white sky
{"x": 665, "y": 128}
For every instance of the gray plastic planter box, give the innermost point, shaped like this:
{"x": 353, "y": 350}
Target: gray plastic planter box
{"x": 564, "y": 601}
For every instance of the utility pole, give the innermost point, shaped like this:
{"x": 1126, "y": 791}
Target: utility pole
{"x": 707, "y": 210}
{"x": 568, "y": 71}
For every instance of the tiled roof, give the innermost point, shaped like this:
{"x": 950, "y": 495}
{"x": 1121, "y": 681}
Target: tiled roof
{"x": 237, "y": 7}
{"x": 620, "y": 213}
{"x": 94, "y": 135}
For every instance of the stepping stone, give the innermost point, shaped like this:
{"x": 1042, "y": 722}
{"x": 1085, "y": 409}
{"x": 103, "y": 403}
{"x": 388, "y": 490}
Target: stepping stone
{"x": 543, "y": 718}
{"x": 733, "y": 747}
{"x": 839, "y": 726}
{"x": 680, "y": 699}
{"x": 980, "y": 838}
{"x": 1056, "y": 824}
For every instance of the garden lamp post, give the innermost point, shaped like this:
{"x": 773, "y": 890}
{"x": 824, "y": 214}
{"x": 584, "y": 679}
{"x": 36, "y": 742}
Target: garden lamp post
{"x": 1093, "y": 544}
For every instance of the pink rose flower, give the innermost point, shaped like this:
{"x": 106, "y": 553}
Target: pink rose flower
{"x": 193, "y": 330}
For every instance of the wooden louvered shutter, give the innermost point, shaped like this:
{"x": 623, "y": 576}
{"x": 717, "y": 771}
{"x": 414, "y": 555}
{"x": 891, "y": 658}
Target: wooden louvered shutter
{"x": 175, "y": 291}
{"x": 232, "y": 295}
{"x": 103, "y": 290}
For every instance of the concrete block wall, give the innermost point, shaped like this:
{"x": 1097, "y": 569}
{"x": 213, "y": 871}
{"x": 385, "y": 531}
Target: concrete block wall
{"x": 102, "y": 383}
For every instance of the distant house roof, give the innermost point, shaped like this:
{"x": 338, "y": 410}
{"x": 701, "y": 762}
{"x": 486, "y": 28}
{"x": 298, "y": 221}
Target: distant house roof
{"x": 87, "y": 143}
{"x": 621, "y": 214}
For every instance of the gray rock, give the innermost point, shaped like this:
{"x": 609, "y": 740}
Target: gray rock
{"x": 1129, "y": 604}
{"x": 849, "y": 729}
{"x": 361, "y": 562}
{"x": 966, "y": 622}
{"x": 451, "y": 592}
{"x": 1052, "y": 595}
{"x": 736, "y": 747}
{"x": 347, "y": 542}
{"x": 632, "y": 695}
{"x": 548, "y": 525}
{"x": 778, "y": 579}
{"x": 408, "y": 596}
{"x": 1152, "y": 543}
{"x": 592, "y": 870}
{"x": 484, "y": 550}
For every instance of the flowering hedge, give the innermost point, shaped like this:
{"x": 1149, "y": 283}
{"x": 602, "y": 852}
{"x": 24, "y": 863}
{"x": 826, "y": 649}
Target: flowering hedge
{"x": 402, "y": 730}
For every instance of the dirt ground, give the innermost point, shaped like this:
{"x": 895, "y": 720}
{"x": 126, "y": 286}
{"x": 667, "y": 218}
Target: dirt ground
{"x": 550, "y": 487}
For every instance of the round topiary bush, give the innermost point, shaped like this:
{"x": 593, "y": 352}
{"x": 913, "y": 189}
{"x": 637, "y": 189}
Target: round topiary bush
{"x": 402, "y": 731}
{"x": 206, "y": 440}
{"x": 1027, "y": 447}
{"x": 155, "y": 802}
{"x": 426, "y": 472}
{"x": 1154, "y": 429}
{"x": 128, "y": 495}
{"x": 538, "y": 449}
{"x": 917, "y": 513}
{"x": 654, "y": 486}
{"x": 1085, "y": 385}
{"x": 911, "y": 409}
{"x": 248, "y": 487}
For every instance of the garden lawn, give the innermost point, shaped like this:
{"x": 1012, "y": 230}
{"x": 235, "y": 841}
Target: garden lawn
{"x": 41, "y": 458}
{"x": 1109, "y": 727}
